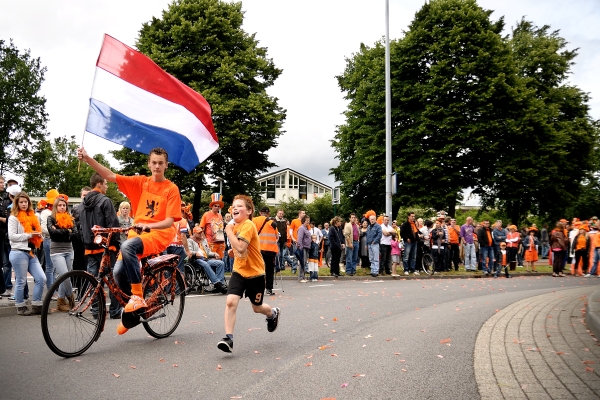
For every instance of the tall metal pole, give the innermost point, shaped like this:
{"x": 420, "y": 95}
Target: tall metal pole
{"x": 388, "y": 117}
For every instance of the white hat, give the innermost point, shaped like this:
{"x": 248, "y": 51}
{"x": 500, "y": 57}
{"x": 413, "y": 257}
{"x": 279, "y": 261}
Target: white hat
{"x": 14, "y": 190}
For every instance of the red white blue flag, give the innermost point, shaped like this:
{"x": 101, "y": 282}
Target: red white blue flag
{"x": 136, "y": 104}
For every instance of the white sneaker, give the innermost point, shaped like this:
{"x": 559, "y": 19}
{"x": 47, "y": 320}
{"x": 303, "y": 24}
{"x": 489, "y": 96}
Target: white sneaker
{"x": 406, "y": 273}
{"x": 303, "y": 281}
{"x": 587, "y": 275}
{"x": 416, "y": 273}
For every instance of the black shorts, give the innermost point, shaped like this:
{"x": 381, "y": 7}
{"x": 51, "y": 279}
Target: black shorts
{"x": 254, "y": 288}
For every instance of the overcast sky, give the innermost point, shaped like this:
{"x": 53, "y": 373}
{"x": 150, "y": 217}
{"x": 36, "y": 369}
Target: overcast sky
{"x": 308, "y": 39}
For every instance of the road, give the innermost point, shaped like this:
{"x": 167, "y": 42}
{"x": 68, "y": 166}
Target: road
{"x": 348, "y": 339}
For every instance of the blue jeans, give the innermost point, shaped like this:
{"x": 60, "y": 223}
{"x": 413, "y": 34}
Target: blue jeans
{"x": 283, "y": 256}
{"x": 180, "y": 251}
{"x": 410, "y": 256}
{"x": 545, "y": 250}
{"x": 22, "y": 263}
{"x": 487, "y": 252}
{"x": 49, "y": 266}
{"x": 92, "y": 262}
{"x": 63, "y": 263}
{"x": 352, "y": 258}
{"x": 470, "y": 257}
{"x": 374, "y": 258}
{"x": 227, "y": 261}
{"x": 127, "y": 270}
{"x": 596, "y": 259}
{"x": 214, "y": 269}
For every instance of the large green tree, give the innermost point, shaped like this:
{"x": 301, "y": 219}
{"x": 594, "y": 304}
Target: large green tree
{"x": 465, "y": 114}
{"x": 23, "y": 116}
{"x": 202, "y": 43}
{"x": 542, "y": 170}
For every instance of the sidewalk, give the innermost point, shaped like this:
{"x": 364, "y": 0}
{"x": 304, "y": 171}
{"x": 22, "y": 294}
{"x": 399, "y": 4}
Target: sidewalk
{"x": 539, "y": 348}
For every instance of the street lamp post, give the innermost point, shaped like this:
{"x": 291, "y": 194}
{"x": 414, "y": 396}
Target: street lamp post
{"x": 388, "y": 116}
{"x": 220, "y": 184}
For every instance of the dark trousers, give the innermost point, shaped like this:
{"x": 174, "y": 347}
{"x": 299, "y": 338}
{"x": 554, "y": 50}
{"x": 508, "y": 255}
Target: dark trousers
{"x": 454, "y": 256}
{"x": 385, "y": 252}
{"x": 78, "y": 254}
{"x": 364, "y": 262}
{"x": 584, "y": 256}
{"x": 438, "y": 259}
{"x": 269, "y": 258}
{"x": 335, "y": 261}
{"x": 558, "y": 261}
{"x": 511, "y": 254}
{"x": 93, "y": 267}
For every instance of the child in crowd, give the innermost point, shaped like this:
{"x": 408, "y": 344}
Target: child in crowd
{"x": 531, "y": 255}
{"x": 313, "y": 259}
{"x": 503, "y": 260}
{"x": 248, "y": 277}
{"x": 395, "y": 253}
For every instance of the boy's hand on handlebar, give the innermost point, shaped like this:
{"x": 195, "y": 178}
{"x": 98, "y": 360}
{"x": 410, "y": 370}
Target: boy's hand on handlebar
{"x": 139, "y": 228}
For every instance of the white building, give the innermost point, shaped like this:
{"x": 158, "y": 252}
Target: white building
{"x": 282, "y": 185}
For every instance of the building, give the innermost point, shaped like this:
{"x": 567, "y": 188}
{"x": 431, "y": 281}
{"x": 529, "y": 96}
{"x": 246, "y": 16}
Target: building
{"x": 284, "y": 184}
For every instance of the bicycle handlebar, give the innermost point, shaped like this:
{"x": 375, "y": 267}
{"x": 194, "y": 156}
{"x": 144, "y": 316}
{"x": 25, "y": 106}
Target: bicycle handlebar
{"x": 98, "y": 230}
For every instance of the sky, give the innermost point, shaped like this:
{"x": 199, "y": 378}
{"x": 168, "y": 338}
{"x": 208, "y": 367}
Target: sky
{"x": 310, "y": 40}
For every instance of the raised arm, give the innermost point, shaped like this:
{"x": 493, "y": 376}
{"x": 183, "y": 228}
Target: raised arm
{"x": 96, "y": 166}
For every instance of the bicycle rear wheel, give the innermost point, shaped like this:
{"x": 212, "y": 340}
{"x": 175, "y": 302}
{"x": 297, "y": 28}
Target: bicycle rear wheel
{"x": 428, "y": 267}
{"x": 69, "y": 334}
{"x": 170, "y": 301}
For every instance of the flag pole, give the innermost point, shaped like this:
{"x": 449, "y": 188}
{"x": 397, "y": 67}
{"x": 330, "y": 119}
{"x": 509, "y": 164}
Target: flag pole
{"x": 91, "y": 91}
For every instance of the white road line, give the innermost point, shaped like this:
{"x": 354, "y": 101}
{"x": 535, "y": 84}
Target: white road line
{"x": 372, "y": 281}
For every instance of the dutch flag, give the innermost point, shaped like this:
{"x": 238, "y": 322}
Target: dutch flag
{"x": 136, "y": 104}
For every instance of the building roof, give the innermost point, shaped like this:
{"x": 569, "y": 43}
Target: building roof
{"x": 274, "y": 173}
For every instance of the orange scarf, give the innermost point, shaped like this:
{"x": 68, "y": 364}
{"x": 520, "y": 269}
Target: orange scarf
{"x": 64, "y": 220}
{"x": 30, "y": 224}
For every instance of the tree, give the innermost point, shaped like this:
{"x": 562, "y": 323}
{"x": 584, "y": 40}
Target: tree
{"x": 536, "y": 173}
{"x": 202, "y": 43}
{"x": 55, "y": 166}
{"x": 23, "y": 116}
{"x": 468, "y": 111}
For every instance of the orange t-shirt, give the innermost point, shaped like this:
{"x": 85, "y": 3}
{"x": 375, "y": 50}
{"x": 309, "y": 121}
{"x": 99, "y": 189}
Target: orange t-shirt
{"x": 213, "y": 227}
{"x": 250, "y": 263}
{"x": 581, "y": 242}
{"x": 453, "y": 234}
{"x": 413, "y": 226}
{"x": 152, "y": 202}
{"x": 294, "y": 226}
{"x": 489, "y": 235}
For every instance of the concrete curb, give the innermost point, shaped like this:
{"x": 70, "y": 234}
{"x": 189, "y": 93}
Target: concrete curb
{"x": 592, "y": 313}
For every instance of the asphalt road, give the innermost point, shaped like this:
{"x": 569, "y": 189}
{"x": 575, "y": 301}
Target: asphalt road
{"x": 349, "y": 339}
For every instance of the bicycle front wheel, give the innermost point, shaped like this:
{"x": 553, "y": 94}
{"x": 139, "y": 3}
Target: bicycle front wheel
{"x": 69, "y": 334}
{"x": 167, "y": 309}
{"x": 428, "y": 267}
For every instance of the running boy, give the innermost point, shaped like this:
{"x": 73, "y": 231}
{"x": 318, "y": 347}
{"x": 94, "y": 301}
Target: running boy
{"x": 248, "y": 275}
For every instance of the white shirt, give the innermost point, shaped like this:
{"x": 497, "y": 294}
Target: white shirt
{"x": 317, "y": 232}
{"x": 386, "y": 239}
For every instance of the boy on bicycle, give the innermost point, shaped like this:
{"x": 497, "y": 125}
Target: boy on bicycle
{"x": 248, "y": 275}
{"x": 155, "y": 204}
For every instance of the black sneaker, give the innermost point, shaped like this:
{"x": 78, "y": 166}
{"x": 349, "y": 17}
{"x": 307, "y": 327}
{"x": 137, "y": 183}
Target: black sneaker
{"x": 225, "y": 344}
{"x": 270, "y": 292}
{"x": 272, "y": 322}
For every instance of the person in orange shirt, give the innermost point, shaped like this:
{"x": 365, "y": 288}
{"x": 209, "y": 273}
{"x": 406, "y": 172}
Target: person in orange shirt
{"x": 595, "y": 248}
{"x": 454, "y": 239}
{"x": 581, "y": 247}
{"x": 248, "y": 277}
{"x": 212, "y": 224}
{"x": 293, "y": 233}
{"x": 530, "y": 244}
{"x": 155, "y": 204}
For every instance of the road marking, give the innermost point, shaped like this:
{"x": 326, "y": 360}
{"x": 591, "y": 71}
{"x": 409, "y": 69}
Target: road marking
{"x": 323, "y": 285}
{"x": 373, "y": 281}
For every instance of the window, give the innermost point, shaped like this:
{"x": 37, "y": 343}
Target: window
{"x": 309, "y": 188}
{"x": 302, "y": 191}
{"x": 270, "y": 188}
{"x": 263, "y": 186}
{"x": 321, "y": 190}
{"x": 293, "y": 182}
{"x": 280, "y": 182}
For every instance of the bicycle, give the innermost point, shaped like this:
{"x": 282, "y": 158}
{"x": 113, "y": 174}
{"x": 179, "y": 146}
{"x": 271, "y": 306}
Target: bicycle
{"x": 71, "y": 334}
{"x": 427, "y": 261}
{"x": 196, "y": 278}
